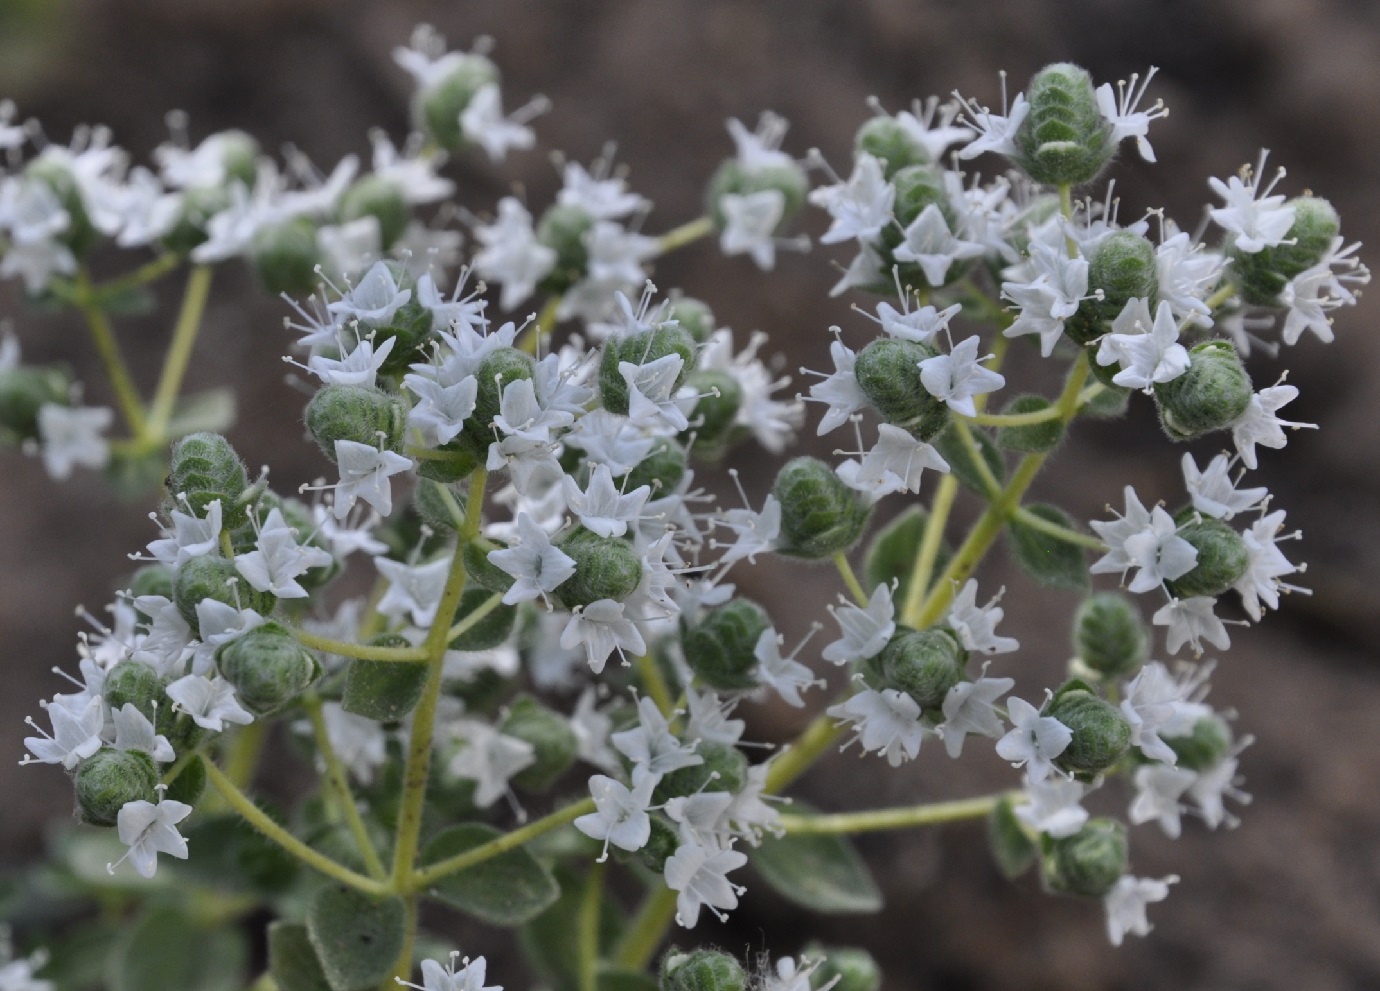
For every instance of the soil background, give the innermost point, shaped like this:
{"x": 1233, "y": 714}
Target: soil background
{"x": 1291, "y": 899}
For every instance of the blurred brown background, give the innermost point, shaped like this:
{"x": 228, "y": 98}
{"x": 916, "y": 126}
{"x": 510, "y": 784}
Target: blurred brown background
{"x": 1291, "y": 900}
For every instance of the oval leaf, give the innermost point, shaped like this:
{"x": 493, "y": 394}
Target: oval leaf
{"x": 821, "y": 872}
{"x": 357, "y": 939}
{"x": 506, "y": 890}
{"x": 1044, "y": 557}
{"x": 292, "y": 961}
{"x": 951, "y": 447}
{"x": 383, "y": 690}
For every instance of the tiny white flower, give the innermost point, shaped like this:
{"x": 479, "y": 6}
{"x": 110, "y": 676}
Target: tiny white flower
{"x": 278, "y": 559}
{"x": 511, "y": 254}
{"x": 652, "y": 745}
{"x": 1147, "y": 353}
{"x": 861, "y": 206}
{"x": 1034, "y": 740}
{"x": 190, "y": 537}
{"x": 210, "y": 702}
{"x": 699, "y": 875}
{"x": 1213, "y": 491}
{"x": 652, "y": 392}
{"x": 1052, "y": 296}
{"x": 149, "y": 830}
{"x": 71, "y": 437}
{"x": 976, "y": 625}
{"x": 1151, "y": 703}
{"x": 490, "y": 759}
{"x": 601, "y": 507}
{"x": 1265, "y": 565}
{"x": 929, "y": 243}
{"x": 1159, "y": 793}
{"x": 1257, "y": 221}
{"x": 364, "y": 474}
{"x": 536, "y": 565}
{"x": 483, "y": 122}
{"x": 756, "y": 531}
{"x": 601, "y": 628}
{"x": 1212, "y": 786}
{"x": 750, "y": 222}
{"x": 621, "y": 812}
{"x": 76, "y": 735}
{"x": 787, "y": 676}
{"x": 1119, "y": 108}
{"x": 134, "y": 731}
{"x": 840, "y": 390}
{"x": 958, "y": 376}
{"x": 970, "y": 707}
{"x": 1126, "y": 904}
{"x": 1259, "y": 425}
{"x": 1052, "y": 806}
{"x": 996, "y": 132}
{"x": 894, "y": 464}
{"x": 888, "y": 723}
{"x": 865, "y": 631}
{"x": 1191, "y": 621}
{"x": 413, "y": 589}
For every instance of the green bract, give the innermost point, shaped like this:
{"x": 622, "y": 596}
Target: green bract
{"x": 380, "y": 198}
{"x": 208, "y": 577}
{"x": 204, "y": 468}
{"x": 285, "y": 256}
{"x": 1262, "y": 276}
{"x": 436, "y": 107}
{"x": 605, "y": 568}
{"x": 1207, "y": 745}
{"x": 719, "y": 648}
{"x": 1123, "y": 267}
{"x": 891, "y": 144}
{"x": 924, "y": 664}
{"x": 1109, "y": 635}
{"x": 641, "y": 348}
{"x": 563, "y": 229}
{"x": 1089, "y": 862}
{"x": 1222, "y": 558}
{"x": 1101, "y": 735}
{"x": 355, "y": 413}
{"x": 701, "y": 970}
{"x": 820, "y": 515}
{"x": 724, "y": 768}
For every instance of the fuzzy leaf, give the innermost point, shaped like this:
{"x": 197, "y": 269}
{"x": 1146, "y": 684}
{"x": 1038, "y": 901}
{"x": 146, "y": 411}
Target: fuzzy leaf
{"x": 951, "y": 447}
{"x": 1044, "y": 557}
{"x": 821, "y": 872}
{"x": 506, "y": 890}
{"x": 383, "y": 690}
{"x": 357, "y": 938}
{"x": 291, "y": 960}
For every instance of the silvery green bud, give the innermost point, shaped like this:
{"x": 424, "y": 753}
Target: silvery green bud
{"x": 210, "y": 577}
{"x": 108, "y": 779}
{"x": 24, "y": 390}
{"x": 563, "y": 229}
{"x": 382, "y": 199}
{"x": 436, "y": 108}
{"x": 844, "y": 968}
{"x": 660, "y": 845}
{"x": 1109, "y": 636}
{"x": 198, "y": 206}
{"x": 489, "y": 632}
{"x": 239, "y": 156}
{"x": 732, "y": 176}
{"x": 724, "y": 769}
{"x": 888, "y": 372}
{"x": 887, "y": 141}
{"x": 267, "y": 666}
{"x": 716, "y": 411}
{"x": 1033, "y": 438}
{"x": 80, "y": 235}
{"x": 481, "y": 570}
{"x": 1261, "y": 276}
{"x": 641, "y": 349}
{"x": 1212, "y": 395}
{"x": 498, "y": 368}
{"x": 1206, "y": 746}
{"x": 1222, "y": 558}
{"x": 1123, "y": 267}
{"x": 820, "y": 515}
{"x": 701, "y": 970}
{"x": 605, "y": 568}
{"x": 1101, "y": 734}
{"x": 553, "y": 742}
{"x": 692, "y": 316}
{"x": 1064, "y": 139}
{"x": 356, "y": 413}
{"x": 924, "y": 664}
{"x": 1090, "y": 862}
{"x": 719, "y": 648}
{"x": 1011, "y": 846}
{"x": 138, "y": 684}
{"x": 204, "y": 468}
{"x": 285, "y": 257}
{"x": 661, "y": 470}
{"x": 152, "y": 579}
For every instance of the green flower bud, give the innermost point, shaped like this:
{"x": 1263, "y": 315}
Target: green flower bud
{"x": 887, "y": 141}
{"x": 1109, "y": 636}
{"x": 661, "y": 470}
{"x": 719, "y": 648}
{"x": 1222, "y": 559}
{"x": 383, "y": 690}
{"x": 1064, "y": 139}
{"x": 285, "y": 257}
{"x": 436, "y": 108}
{"x": 197, "y": 208}
{"x": 152, "y": 579}
{"x": 138, "y": 684}
{"x": 204, "y": 468}
{"x": 888, "y": 372}
{"x": 724, "y": 769}
{"x": 267, "y": 666}
{"x": 1011, "y": 846}
{"x": 239, "y": 156}
{"x": 641, "y": 349}
{"x": 733, "y": 177}
{"x": 692, "y": 316}
{"x": 356, "y": 413}
{"x": 1212, "y": 395}
{"x": 498, "y": 368}
{"x": 489, "y": 632}
{"x": 563, "y": 229}
{"x": 716, "y": 411}
{"x": 844, "y": 968}
{"x": 484, "y": 572}
{"x": 924, "y": 664}
{"x": 553, "y": 742}
{"x": 1034, "y": 438}
{"x": 1124, "y": 267}
{"x": 701, "y": 970}
{"x": 820, "y": 515}
{"x": 382, "y": 199}
{"x": 1262, "y": 276}
{"x": 1101, "y": 734}
{"x": 81, "y": 235}
{"x": 1206, "y": 746}
{"x": 209, "y": 577}
{"x": 660, "y": 845}
{"x": 108, "y": 779}
{"x": 605, "y": 568}
{"x": 24, "y": 390}
{"x": 1090, "y": 862}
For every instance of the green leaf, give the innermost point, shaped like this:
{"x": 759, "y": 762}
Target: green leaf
{"x": 549, "y": 941}
{"x": 1011, "y": 847}
{"x": 507, "y": 890}
{"x": 164, "y": 951}
{"x": 383, "y": 690}
{"x": 1044, "y": 557}
{"x": 213, "y": 410}
{"x": 134, "y": 474}
{"x": 951, "y": 447}
{"x": 612, "y": 977}
{"x": 892, "y": 553}
{"x": 127, "y": 300}
{"x": 819, "y": 871}
{"x": 292, "y": 961}
{"x": 232, "y": 854}
{"x": 77, "y": 962}
{"x": 357, "y": 938}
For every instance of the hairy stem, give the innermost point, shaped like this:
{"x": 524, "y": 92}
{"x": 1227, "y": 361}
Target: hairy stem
{"x": 647, "y": 929}
{"x": 103, "y": 337}
{"x": 179, "y": 352}
{"x": 340, "y": 784}
{"x": 930, "y": 814}
{"x": 850, "y": 579}
{"x": 688, "y": 233}
{"x": 424, "y": 877}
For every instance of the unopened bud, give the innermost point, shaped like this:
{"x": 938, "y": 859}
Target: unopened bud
{"x": 720, "y": 647}
{"x": 820, "y": 515}
{"x": 1064, "y": 139}
{"x": 886, "y": 140}
{"x": 716, "y": 411}
{"x": 563, "y": 228}
{"x": 1222, "y": 559}
{"x": 1260, "y": 277}
{"x": 843, "y": 968}
{"x": 661, "y": 470}
{"x": 888, "y": 372}
{"x": 1123, "y": 267}
{"x": 203, "y": 468}
{"x": 355, "y": 413}
{"x": 436, "y": 108}
{"x": 1012, "y": 848}
{"x": 267, "y": 666}
{"x": 1090, "y": 862}
{"x": 499, "y": 367}
{"x": 660, "y": 845}
{"x": 733, "y": 177}
{"x": 605, "y": 568}
{"x": 210, "y": 577}
{"x": 1109, "y": 636}
{"x": 285, "y": 257}
{"x": 692, "y": 316}
{"x": 701, "y": 970}
{"x": 724, "y": 768}
{"x": 1207, "y": 745}
{"x": 138, "y": 684}
{"x": 109, "y": 779}
{"x": 1211, "y": 395}
{"x": 380, "y": 198}
{"x": 1101, "y": 734}
{"x": 24, "y": 390}
{"x": 924, "y": 664}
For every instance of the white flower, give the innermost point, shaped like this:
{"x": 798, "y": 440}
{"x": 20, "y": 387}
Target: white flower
{"x": 1119, "y": 108}
{"x": 621, "y": 817}
{"x": 1148, "y": 354}
{"x": 210, "y": 702}
{"x": 441, "y": 413}
{"x": 1213, "y": 491}
{"x": 957, "y": 377}
{"x": 1145, "y": 540}
{"x": 921, "y": 326}
{"x": 601, "y": 507}
{"x": 191, "y": 537}
{"x": 346, "y": 249}
{"x": 1126, "y": 903}
{"x": 1059, "y": 285}
{"x": 976, "y": 625}
{"x": 750, "y": 222}
{"x": 699, "y": 875}
{"x": 413, "y": 589}
{"x": 149, "y": 830}
{"x": 70, "y": 437}
{"x": 537, "y": 566}
{"x": 374, "y": 300}
{"x": 511, "y": 253}
{"x": 278, "y": 559}
{"x": 756, "y": 531}
{"x": 601, "y": 628}
{"x": 482, "y": 122}
{"x": 651, "y": 744}
{"x": 970, "y": 707}
{"x": 470, "y": 977}
{"x": 707, "y": 718}
{"x": 76, "y": 735}
{"x": 1034, "y": 740}
{"x": 1151, "y": 703}
{"x": 360, "y": 743}
{"x": 1259, "y": 425}
{"x": 364, "y": 474}
{"x": 599, "y": 195}
{"x": 358, "y": 367}
{"x": 1052, "y": 807}
{"x": 996, "y": 133}
{"x": 133, "y": 731}
{"x": 929, "y": 242}
{"x": 888, "y": 722}
{"x": 1257, "y": 221}
{"x": 1266, "y": 564}
{"x": 1213, "y": 784}
{"x": 839, "y": 391}
{"x": 1159, "y": 790}
{"x": 701, "y": 818}
{"x": 761, "y": 149}
{"x": 1191, "y": 621}
{"x": 490, "y": 759}
{"x": 894, "y": 464}
{"x": 784, "y": 674}
{"x": 652, "y": 392}
{"x": 865, "y": 631}
{"x": 1186, "y": 274}
{"x": 861, "y": 207}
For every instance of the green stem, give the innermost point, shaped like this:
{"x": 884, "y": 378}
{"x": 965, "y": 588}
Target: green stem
{"x": 589, "y": 928}
{"x": 688, "y": 233}
{"x": 363, "y": 651}
{"x": 804, "y": 751}
{"x": 1046, "y": 415}
{"x": 340, "y": 784}
{"x": 930, "y": 542}
{"x": 179, "y": 352}
{"x": 650, "y": 673}
{"x": 1058, "y": 532}
{"x": 476, "y": 617}
{"x": 257, "y": 818}
{"x": 148, "y": 272}
{"x": 648, "y": 927}
{"x": 931, "y": 814}
{"x": 424, "y": 877}
{"x": 245, "y": 748}
{"x": 103, "y": 337}
{"x": 1066, "y": 208}
{"x": 984, "y": 471}
{"x": 850, "y": 579}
